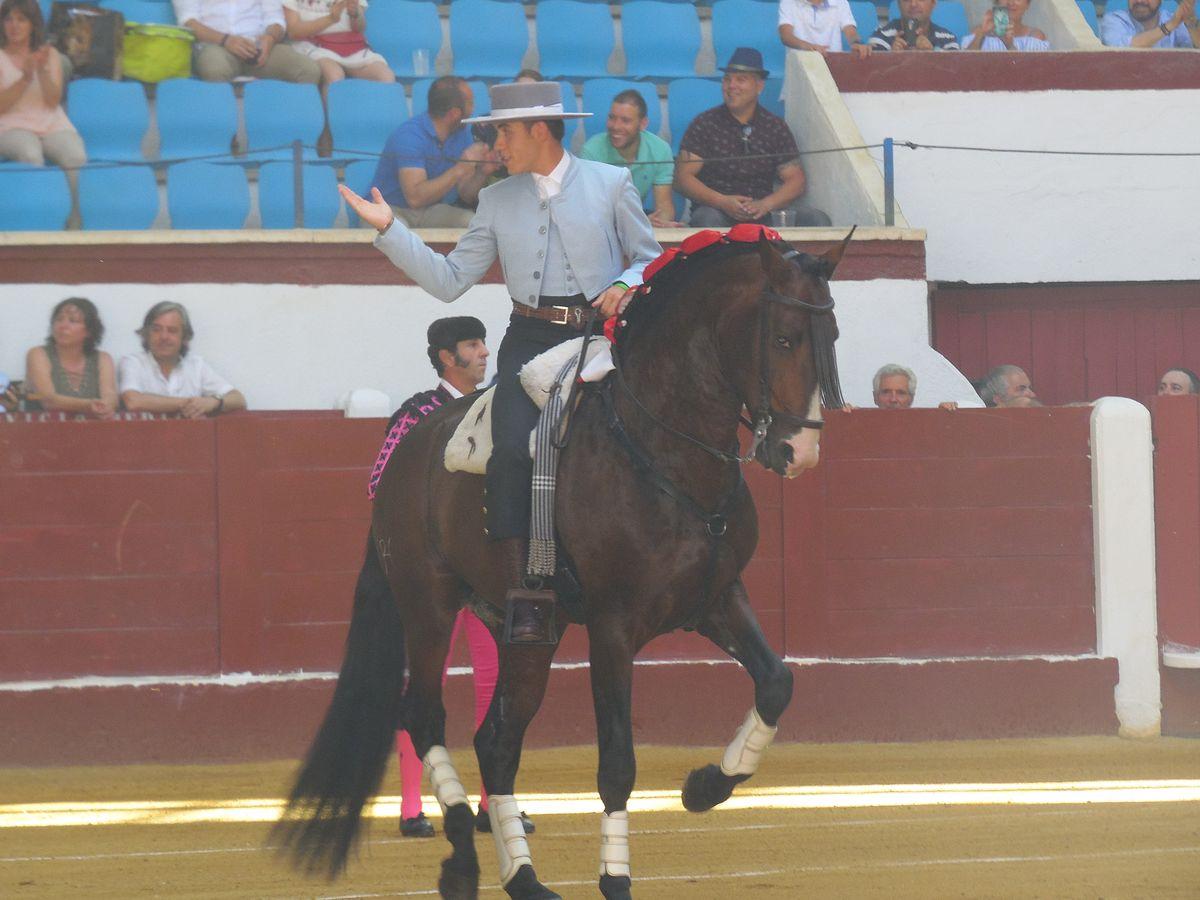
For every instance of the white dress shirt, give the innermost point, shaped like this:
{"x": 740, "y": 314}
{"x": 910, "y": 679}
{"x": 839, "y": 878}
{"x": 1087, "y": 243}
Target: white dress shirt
{"x": 246, "y": 18}
{"x": 449, "y": 388}
{"x": 551, "y": 185}
{"x": 192, "y": 377}
{"x": 818, "y": 23}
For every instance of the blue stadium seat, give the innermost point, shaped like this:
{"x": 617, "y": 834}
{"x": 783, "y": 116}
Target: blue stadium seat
{"x": 278, "y": 113}
{"x": 866, "y": 19}
{"x": 277, "y": 196}
{"x": 118, "y": 199}
{"x": 420, "y": 96}
{"x": 598, "y": 95}
{"x": 747, "y": 23}
{"x": 363, "y": 113}
{"x": 358, "y": 177}
{"x": 575, "y": 39}
{"x": 661, "y": 39}
{"x": 395, "y": 29}
{"x": 143, "y": 12}
{"x": 207, "y": 195}
{"x": 195, "y": 118}
{"x": 33, "y": 199}
{"x": 686, "y": 99}
{"x": 111, "y": 116}
{"x": 1088, "y": 9}
{"x": 488, "y": 38}
{"x": 950, "y": 14}
{"x": 771, "y": 97}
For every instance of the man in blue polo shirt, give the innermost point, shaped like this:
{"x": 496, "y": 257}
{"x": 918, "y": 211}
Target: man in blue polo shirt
{"x": 626, "y": 142}
{"x": 432, "y": 169}
{"x": 1146, "y": 24}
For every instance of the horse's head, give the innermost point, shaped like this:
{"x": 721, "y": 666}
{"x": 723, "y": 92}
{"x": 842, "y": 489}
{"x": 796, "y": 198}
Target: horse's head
{"x": 788, "y": 367}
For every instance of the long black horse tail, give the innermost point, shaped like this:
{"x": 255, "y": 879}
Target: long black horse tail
{"x": 347, "y": 760}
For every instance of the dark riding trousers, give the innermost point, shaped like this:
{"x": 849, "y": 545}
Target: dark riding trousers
{"x": 514, "y": 416}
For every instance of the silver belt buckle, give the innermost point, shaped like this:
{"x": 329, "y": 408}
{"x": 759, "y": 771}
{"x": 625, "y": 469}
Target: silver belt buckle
{"x": 562, "y": 315}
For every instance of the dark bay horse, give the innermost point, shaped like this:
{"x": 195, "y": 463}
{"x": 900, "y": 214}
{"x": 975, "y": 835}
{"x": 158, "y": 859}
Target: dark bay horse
{"x": 652, "y": 510}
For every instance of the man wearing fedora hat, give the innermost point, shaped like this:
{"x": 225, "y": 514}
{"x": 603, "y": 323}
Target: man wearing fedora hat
{"x": 732, "y": 155}
{"x": 568, "y": 233}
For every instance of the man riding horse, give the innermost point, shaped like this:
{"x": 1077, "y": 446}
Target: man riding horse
{"x": 563, "y": 229}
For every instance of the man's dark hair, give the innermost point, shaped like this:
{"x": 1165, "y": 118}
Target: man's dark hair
{"x": 31, "y": 11}
{"x": 444, "y": 334}
{"x": 445, "y": 94}
{"x": 633, "y": 98}
{"x": 161, "y": 309}
{"x": 91, "y": 321}
{"x": 556, "y": 126}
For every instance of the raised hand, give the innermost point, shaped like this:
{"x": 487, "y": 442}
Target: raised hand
{"x": 375, "y": 212}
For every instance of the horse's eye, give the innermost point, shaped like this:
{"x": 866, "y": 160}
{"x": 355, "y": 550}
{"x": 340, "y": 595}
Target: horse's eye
{"x": 783, "y": 342}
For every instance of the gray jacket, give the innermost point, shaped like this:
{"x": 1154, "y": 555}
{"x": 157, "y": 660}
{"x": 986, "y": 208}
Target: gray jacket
{"x": 605, "y": 233}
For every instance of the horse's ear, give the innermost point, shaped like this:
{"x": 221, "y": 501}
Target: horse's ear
{"x": 831, "y": 258}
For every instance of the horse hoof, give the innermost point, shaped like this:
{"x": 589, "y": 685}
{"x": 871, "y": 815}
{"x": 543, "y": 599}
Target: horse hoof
{"x": 456, "y": 884}
{"x": 616, "y": 887}
{"x": 707, "y": 787}
{"x": 525, "y": 886}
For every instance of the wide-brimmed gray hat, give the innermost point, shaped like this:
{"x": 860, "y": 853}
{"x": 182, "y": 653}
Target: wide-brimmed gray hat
{"x": 526, "y": 101}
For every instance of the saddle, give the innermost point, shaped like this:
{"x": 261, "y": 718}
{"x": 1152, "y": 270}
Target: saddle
{"x": 470, "y": 447}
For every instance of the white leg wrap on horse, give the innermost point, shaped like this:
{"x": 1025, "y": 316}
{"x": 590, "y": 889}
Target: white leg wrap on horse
{"x": 614, "y": 843}
{"x": 512, "y": 849}
{"x": 444, "y": 778}
{"x": 748, "y": 745}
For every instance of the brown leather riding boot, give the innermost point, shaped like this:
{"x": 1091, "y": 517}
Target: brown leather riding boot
{"x": 529, "y": 614}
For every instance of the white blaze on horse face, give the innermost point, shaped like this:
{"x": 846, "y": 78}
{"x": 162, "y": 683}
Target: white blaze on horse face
{"x": 806, "y": 443}
{"x": 614, "y": 843}
{"x": 512, "y": 849}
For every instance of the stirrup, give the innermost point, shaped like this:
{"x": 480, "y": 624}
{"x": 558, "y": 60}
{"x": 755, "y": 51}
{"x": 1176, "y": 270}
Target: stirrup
{"x": 539, "y": 604}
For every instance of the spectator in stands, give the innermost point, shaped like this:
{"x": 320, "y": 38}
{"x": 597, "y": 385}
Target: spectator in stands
{"x": 894, "y": 387}
{"x": 914, "y": 30}
{"x": 330, "y": 32}
{"x": 68, "y": 372}
{"x": 732, "y": 154}
{"x": 528, "y": 76}
{"x": 1016, "y": 36}
{"x": 820, "y": 25}
{"x": 239, "y": 38}
{"x": 1146, "y": 24}
{"x": 432, "y": 168}
{"x": 1007, "y": 386}
{"x": 166, "y": 378}
{"x": 33, "y": 125}
{"x": 626, "y": 142}
{"x": 1177, "y": 381}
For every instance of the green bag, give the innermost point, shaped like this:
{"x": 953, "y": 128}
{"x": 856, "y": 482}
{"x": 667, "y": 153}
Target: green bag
{"x": 157, "y": 52}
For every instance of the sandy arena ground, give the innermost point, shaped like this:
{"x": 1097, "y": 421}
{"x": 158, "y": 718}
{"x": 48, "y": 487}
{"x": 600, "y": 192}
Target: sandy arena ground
{"x": 1092, "y": 817}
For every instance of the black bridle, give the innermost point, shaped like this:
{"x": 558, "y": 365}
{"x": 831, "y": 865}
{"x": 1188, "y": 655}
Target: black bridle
{"x": 766, "y": 414}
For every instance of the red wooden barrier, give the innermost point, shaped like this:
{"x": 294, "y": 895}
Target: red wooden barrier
{"x": 231, "y": 545}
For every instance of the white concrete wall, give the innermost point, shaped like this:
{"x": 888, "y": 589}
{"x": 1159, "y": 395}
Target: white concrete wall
{"x": 1005, "y": 218}
{"x": 295, "y": 347}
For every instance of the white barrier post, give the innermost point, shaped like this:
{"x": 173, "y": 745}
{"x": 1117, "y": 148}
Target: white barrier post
{"x": 1123, "y": 538}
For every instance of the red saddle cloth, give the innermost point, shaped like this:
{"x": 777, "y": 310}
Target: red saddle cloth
{"x": 745, "y": 233}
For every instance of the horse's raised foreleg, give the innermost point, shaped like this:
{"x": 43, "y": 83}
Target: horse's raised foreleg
{"x": 732, "y": 626}
{"x": 425, "y": 719}
{"x": 612, "y": 676}
{"x": 524, "y": 670}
